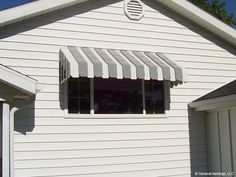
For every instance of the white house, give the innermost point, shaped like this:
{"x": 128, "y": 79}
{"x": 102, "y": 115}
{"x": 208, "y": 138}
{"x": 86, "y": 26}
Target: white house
{"x": 220, "y": 106}
{"x": 102, "y": 88}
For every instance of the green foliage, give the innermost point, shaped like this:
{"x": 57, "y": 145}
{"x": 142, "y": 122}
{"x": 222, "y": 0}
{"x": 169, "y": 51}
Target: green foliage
{"x": 218, "y": 9}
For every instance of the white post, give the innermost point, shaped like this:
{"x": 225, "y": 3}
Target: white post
{"x": 92, "y": 96}
{"x": 143, "y": 93}
{"x": 5, "y": 139}
{"x": 11, "y": 140}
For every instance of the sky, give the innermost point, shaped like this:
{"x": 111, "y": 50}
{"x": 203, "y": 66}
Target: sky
{"x": 231, "y": 6}
{"x": 5, "y": 4}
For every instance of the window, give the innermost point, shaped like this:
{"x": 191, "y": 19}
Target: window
{"x": 79, "y": 96}
{"x": 154, "y": 97}
{"x": 114, "y": 96}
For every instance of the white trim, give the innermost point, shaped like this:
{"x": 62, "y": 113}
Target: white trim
{"x": 118, "y": 65}
{"x": 39, "y": 87}
{"x": 144, "y": 100}
{"x": 5, "y": 139}
{"x": 221, "y": 109}
{"x": 159, "y": 69}
{"x": 214, "y": 103}
{"x": 92, "y": 96}
{"x": 65, "y": 97}
{"x": 73, "y": 72}
{"x": 182, "y": 7}
{"x": 92, "y": 115}
{"x": 33, "y": 9}
{"x": 115, "y": 116}
{"x": 1, "y": 99}
{"x": 172, "y": 70}
{"x": 185, "y": 75}
{"x": 89, "y": 63}
{"x": 17, "y": 80}
{"x": 146, "y": 68}
{"x": 132, "y": 66}
{"x": 218, "y": 106}
{"x": 105, "y": 73}
{"x": 11, "y": 124}
{"x": 202, "y": 18}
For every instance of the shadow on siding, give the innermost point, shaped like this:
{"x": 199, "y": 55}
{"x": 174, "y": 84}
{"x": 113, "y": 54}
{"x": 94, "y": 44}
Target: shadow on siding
{"x": 197, "y": 139}
{"x": 25, "y": 120}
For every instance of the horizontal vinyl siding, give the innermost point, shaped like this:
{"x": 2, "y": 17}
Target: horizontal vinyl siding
{"x": 48, "y": 145}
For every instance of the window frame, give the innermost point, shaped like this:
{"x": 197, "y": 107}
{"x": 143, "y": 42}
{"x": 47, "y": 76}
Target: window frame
{"x": 166, "y": 85}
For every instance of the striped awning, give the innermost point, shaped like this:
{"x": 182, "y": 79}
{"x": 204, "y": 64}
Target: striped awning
{"x": 110, "y": 63}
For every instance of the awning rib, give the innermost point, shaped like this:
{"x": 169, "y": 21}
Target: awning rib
{"x": 96, "y": 62}
{"x": 81, "y": 62}
{"x": 165, "y": 68}
{"x": 178, "y": 70}
{"x": 152, "y": 68}
{"x": 125, "y": 65}
{"x": 112, "y": 69}
{"x": 139, "y": 67}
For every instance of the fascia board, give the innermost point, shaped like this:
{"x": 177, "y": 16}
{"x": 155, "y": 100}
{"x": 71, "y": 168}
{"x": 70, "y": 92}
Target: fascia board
{"x": 202, "y": 18}
{"x": 182, "y": 7}
{"x": 33, "y": 9}
{"x": 1, "y": 98}
{"x": 214, "y": 103}
{"x": 17, "y": 80}
{"x": 217, "y": 106}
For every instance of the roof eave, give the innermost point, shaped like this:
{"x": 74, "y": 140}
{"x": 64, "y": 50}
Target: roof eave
{"x": 182, "y": 7}
{"x": 19, "y": 81}
{"x": 33, "y": 9}
{"x": 224, "y": 102}
{"x": 202, "y": 18}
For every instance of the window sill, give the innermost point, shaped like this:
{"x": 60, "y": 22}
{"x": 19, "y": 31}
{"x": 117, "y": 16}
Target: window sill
{"x": 115, "y": 116}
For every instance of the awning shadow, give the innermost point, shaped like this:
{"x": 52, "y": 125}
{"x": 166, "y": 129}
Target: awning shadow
{"x": 25, "y": 120}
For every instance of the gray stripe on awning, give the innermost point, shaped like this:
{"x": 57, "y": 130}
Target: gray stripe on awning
{"x": 83, "y": 66}
{"x": 139, "y": 66}
{"x": 152, "y": 68}
{"x": 165, "y": 68}
{"x": 177, "y": 68}
{"x": 125, "y": 65}
{"x": 97, "y": 64}
{"x": 112, "y": 69}
{"x": 64, "y": 68}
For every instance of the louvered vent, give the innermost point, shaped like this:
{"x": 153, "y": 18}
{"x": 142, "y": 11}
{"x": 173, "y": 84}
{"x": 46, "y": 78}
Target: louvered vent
{"x": 134, "y": 9}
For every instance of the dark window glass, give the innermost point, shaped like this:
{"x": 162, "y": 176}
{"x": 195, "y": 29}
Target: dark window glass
{"x": 79, "y": 95}
{"x": 113, "y": 96}
{"x": 154, "y": 97}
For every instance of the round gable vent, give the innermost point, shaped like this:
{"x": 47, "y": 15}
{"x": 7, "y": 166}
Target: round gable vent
{"x": 134, "y": 9}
